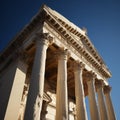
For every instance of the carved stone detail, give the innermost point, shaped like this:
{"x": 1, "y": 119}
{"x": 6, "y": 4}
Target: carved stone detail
{"x": 62, "y": 54}
{"x": 98, "y": 83}
{"x": 90, "y": 76}
{"x": 107, "y": 89}
{"x": 45, "y": 38}
{"x": 78, "y": 66}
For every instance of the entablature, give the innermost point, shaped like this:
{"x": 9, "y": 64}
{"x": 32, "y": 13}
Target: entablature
{"x": 75, "y": 53}
{"x": 68, "y": 33}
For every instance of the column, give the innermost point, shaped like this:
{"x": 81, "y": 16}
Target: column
{"x": 90, "y": 78}
{"x": 101, "y": 102}
{"x": 62, "y": 93}
{"x": 81, "y": 112}
{"x": 111, "y": 114}
{"x": 36, "y": 89}
{"x": 19, "y": 69}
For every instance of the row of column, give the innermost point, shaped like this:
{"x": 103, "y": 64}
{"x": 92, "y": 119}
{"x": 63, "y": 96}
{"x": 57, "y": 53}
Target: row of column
{"x": 35, "y": 95}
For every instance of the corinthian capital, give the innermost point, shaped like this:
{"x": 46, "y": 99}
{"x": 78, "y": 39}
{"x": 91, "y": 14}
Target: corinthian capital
{"x": 45, "y": 38}
{"x": 62, "y": 54}
{"x": 43, "y": 35}
{"x": 78, "y": 66}
{"x": 90, "y": 76}
{"x": 99, "y": 84}
{"x": 107, "y": 89}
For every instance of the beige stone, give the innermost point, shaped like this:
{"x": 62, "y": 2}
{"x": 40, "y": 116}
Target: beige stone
{"x": 101, "y": 102}
{"x": 12, "y": 111}
{"x": 111, "y": 113}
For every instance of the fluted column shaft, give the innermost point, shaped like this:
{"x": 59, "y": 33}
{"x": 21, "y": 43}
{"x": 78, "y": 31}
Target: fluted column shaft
{"x": 101, "y": 102}
{"x": 91, "y": 96}
{"x": 81, "y": 112}
{"x": 111, "y": 113}
{"x": 35, "y": 95}
{"x": 62, "y": 93}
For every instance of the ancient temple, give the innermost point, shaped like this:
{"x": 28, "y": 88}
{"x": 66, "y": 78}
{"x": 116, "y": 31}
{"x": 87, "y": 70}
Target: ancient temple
{"x": 49, "y": 69}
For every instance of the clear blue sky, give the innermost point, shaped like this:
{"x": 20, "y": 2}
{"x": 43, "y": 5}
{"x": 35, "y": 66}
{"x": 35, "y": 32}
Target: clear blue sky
{"x": 100, "y": 17}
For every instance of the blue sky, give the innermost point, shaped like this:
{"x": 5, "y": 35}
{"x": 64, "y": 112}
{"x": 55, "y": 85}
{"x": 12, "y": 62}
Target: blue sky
{"x": 100, "y": 17}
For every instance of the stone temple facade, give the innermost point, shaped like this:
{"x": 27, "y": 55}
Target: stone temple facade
{"x": 49, "y": 69}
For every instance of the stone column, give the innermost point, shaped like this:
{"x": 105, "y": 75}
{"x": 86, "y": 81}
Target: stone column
{"x": 90, "y": 79}
{"x": 111, "y": 114}
{"x": 62, "y": 93}
{"x": 101, "y": 102}
{"x": 36, "y": 89}
{"x": 81, "y": 112}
